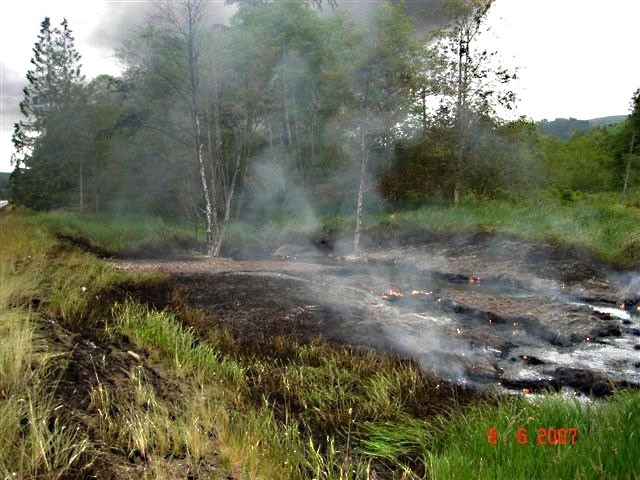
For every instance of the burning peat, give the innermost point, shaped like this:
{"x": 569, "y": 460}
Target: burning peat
{"x": 488, "y": 312}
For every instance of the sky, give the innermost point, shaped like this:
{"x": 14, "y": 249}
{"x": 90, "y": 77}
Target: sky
{"x": 574, "y": 58}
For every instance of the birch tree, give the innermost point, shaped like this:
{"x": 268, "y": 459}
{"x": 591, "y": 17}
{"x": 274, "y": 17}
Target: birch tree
{"x": 465, "y": 79}
{"x": 382, "y": 77}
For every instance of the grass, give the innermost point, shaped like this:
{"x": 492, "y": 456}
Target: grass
{"x": 119, "y": 233}
{"x": 609, "y": 230}
{"x": 39, "y": 437}
{"x": 607, "y": 435}
{"x": 595, "y": 222}
{"x": 198, "y": 403}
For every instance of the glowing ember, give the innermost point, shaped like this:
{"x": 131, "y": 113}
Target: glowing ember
{"x": 474, "y": 280}
{"x": 415, "y": 292}
{"x": 391, "y": 294}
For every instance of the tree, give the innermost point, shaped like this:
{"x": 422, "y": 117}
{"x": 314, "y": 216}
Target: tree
{"x": 45, "y": 152}
{"x": 468, "y": 85}
{"x": 165, "y": 60}
{"x": 381, "y": 81}
{"x": 634, "y": 126}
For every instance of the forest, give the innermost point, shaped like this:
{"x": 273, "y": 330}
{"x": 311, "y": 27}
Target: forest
{"x": 296, "y": 109}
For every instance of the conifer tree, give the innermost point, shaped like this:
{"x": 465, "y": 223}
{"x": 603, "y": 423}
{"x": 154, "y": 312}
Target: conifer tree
{"x": 46, "y": 158}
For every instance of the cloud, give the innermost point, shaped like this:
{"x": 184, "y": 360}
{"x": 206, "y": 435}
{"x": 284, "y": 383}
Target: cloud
{"x": 120, "y": 20}
{"x": 11, "y": 91}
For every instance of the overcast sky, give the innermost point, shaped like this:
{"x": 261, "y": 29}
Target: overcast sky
{"x": 576, "y": 58}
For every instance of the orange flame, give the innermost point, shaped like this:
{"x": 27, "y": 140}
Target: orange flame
{"x": 391, "y": 293}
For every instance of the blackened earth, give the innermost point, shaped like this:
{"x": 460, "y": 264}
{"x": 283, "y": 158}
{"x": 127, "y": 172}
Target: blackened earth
{"x": 484, "y": 310}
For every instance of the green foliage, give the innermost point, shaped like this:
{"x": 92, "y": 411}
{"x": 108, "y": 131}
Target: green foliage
{"x": 48, "y": 141}
{"x": 583, "y": 163}
{"x": 504, "y": 163}
{"x": 5, "y": 185}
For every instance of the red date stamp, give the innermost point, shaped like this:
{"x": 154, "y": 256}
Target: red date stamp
{"x": 543, "y": 436}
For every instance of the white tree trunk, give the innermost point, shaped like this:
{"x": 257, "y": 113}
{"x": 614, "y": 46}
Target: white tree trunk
{"x": 361, "y": 186}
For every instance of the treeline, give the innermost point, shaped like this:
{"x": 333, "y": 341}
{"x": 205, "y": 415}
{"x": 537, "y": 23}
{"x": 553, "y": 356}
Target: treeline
{"x": 291, "y": 110}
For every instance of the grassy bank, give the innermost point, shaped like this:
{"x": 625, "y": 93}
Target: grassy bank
{"x": 94, "y": 381}
{"x": 609, "y": 230}
{"x": 596, "y": 223}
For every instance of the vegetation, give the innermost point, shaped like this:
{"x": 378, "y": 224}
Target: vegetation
{"x": 4, "y": 185}
{"x": 290, "y": 110}
{"x": 183, "y": 402}
{"x": 565, "y": 128}
{"x": 286, "y": 120}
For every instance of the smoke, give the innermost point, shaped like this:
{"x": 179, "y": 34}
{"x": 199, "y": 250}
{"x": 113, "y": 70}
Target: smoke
{"x": 425, "y": 14}
{"x": 279, "y": 205}
{"x": 424, "y": 340}
{"x": 120, "y": 20}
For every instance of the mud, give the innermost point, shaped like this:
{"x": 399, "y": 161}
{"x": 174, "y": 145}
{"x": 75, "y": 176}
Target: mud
{"x": 484, "y": 310}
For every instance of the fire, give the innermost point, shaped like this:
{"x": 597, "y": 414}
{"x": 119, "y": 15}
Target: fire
{"x": 474, "y": 280}
{"x": 416, "y": 292}
{"x": 458, "y": 331}
{"x": 391, "y": 293}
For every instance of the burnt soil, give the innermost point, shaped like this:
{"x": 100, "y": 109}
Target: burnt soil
{"x": 482, "y": 310}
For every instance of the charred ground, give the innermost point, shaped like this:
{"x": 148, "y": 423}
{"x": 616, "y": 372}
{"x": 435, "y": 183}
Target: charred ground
{"x": 484, "y": 309}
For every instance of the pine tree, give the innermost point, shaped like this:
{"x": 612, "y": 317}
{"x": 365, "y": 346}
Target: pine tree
{"x": 46, "y": 156}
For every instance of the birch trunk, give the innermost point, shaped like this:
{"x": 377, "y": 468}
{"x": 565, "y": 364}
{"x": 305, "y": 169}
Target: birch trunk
{"x": 361, "y": 186}
{"x": 205, "y": 189}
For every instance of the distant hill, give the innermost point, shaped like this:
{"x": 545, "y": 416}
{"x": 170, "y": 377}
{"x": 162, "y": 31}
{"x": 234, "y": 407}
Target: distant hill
{"x": 564, "y": 128}
{"x": 607, "y": 121}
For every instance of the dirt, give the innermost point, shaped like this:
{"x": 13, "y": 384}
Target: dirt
{"x": 485, "y": 310}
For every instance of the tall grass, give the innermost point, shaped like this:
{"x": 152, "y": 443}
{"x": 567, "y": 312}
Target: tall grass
{"x": 119, "y": 233}
{"x": 38, "y": 438}
{"x": 609, "y": 230}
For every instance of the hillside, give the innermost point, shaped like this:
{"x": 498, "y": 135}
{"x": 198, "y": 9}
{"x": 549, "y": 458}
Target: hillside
{"x": 564, "y": 128}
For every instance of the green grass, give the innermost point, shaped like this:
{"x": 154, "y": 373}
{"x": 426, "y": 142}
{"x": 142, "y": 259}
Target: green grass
{"x": 39, "y": 437}
{"x": 595, "y": 222}
{"x": 609, "y": 230}
{"x": 605, "y": 445}
{"x": 291, "y": 412}
{"x": 119, "y": 233}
